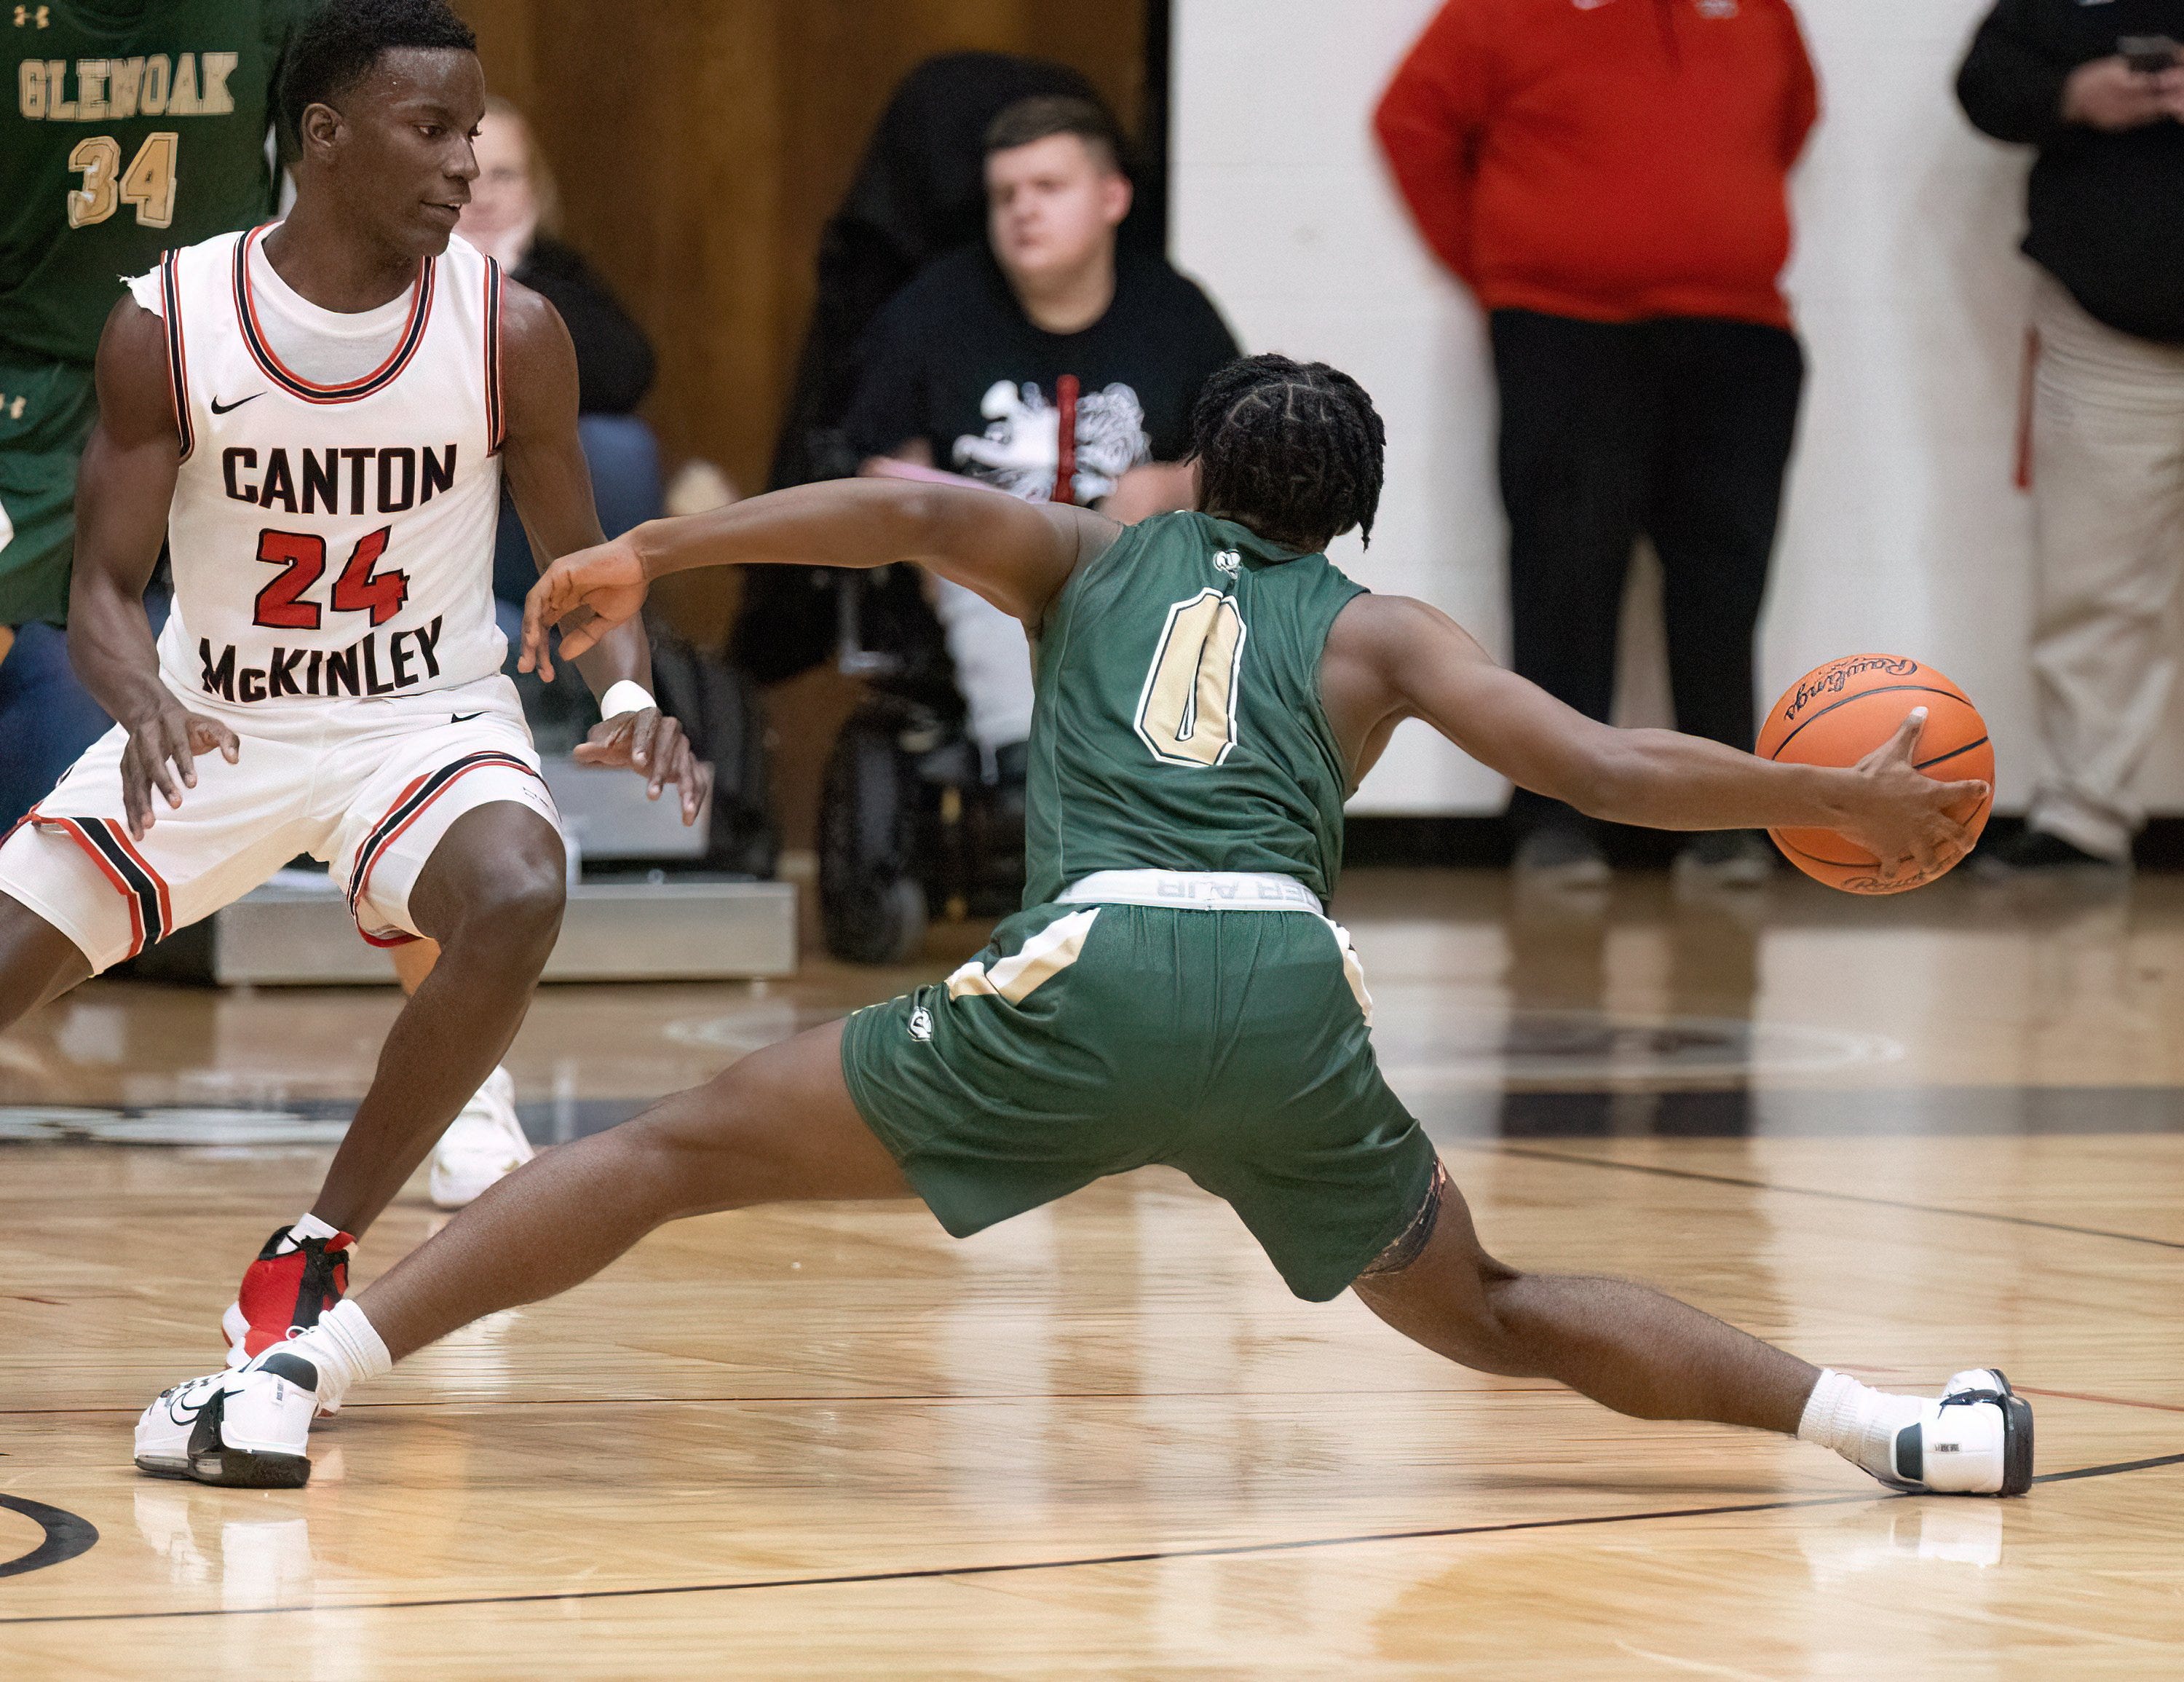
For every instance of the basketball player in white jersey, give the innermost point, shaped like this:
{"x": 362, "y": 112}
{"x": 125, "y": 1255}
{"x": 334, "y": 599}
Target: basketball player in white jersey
{"x": 317, "y": 418}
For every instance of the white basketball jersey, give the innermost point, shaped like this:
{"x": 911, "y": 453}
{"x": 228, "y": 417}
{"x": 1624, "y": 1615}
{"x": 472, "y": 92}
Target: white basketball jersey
{"x": 330, "y": 540}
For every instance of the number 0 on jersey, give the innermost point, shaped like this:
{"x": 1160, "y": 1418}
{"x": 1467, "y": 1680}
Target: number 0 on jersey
{"x": 1187, "y": 714}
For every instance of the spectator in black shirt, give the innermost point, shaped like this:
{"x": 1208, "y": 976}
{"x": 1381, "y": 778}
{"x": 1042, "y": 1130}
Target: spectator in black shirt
{"x": 513, "y": 211}
{"x": 1047, "y": 364}
{"x": 2099, "y": 89}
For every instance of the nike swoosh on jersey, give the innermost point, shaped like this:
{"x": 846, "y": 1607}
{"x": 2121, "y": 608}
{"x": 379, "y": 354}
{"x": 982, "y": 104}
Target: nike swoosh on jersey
{"x": 464, "y": 717}
{"x": 219, "y": 408}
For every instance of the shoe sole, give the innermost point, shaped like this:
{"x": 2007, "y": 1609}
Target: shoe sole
{"x": 2016, "y": 1439}
{"x": 233, "y": 1468}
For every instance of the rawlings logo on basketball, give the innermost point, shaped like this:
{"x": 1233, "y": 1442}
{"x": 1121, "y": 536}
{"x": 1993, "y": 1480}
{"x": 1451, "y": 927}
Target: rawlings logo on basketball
{"x": 1833, "y": 680}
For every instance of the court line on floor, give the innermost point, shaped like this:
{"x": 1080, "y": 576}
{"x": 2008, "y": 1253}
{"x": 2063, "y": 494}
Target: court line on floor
{"x": 2112, "y": 1400}
{"x": 1809, "y": 1191}
{"x": 67, "y": 1534}
{"x": 1148, "y": 1557}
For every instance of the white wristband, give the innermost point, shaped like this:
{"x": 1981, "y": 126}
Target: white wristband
{"x": 624, "y": 696}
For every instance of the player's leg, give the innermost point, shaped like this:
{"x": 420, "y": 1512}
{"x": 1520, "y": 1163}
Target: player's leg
{"x": 485, "y": 1142}
{"x": 1625, "y": 1345}
{"x": 38, "y": 963}
{"x": 1643, "y": 1353}
{"x": 491, "y": 895}
{"x": 488, "y": 890}
{"x": 777, "y": 1127}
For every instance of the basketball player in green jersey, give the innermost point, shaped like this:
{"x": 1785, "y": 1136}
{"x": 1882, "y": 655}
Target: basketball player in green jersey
{"x": 130, "y": 127}
{"x": 1209, "y": 688}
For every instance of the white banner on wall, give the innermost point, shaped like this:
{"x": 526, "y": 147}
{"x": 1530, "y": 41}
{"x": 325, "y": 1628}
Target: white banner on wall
{"x": 1903, "y": 530}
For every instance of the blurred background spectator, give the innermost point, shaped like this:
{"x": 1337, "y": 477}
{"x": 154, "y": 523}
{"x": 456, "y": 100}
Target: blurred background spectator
{"x": 1611, "y": 183}
{"x": 1046, "y": 362}
{"x": 919, "y": 191}
{"x": 513, "y": 217}
{"x": 2099, "y": 91}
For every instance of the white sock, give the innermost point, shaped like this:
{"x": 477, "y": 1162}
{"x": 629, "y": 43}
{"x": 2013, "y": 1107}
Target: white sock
{"x": 343, "y": 1347}
{"x": 1857, "y": 1422}
{"x": 310, "y": 1226}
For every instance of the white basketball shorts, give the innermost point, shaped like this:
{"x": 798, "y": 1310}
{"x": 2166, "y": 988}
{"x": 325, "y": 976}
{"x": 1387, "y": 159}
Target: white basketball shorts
{"x": 368, "y": 785}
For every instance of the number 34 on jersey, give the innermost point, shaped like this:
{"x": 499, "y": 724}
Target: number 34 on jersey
{"x": 117, "y": 90}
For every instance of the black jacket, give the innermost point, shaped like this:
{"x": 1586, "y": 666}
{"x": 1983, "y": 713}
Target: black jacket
{"x": 2106, "y": 210}
{"x": 614, "y": 358}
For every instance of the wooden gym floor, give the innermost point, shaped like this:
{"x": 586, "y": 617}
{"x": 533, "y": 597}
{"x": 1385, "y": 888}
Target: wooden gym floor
{"x": 1101, "y": 1440}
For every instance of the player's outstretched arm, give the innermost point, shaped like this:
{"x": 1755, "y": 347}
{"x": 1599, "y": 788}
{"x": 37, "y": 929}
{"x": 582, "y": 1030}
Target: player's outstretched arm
{"x": 1016, "y": 555}
{"x": 544, "y": 463}
{"x": 123, "y": 489}
{"x": 1390, "y": 657}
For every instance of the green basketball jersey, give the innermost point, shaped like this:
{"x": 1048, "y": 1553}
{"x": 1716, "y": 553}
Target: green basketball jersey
{"x": 131, "y": 125}
{"x": 1178, "y": 724}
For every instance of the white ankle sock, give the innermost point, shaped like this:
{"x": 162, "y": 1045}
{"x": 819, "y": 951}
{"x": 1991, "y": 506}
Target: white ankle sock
{"x": 1856, "y": 1421}
{"x": 310, "y": 1226}
{"x": 344, "y": 1348}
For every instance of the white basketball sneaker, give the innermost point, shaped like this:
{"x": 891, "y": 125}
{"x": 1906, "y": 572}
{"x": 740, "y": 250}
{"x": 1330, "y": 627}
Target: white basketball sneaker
{"x": 484, "y": 1143}
{"x": 1976, "y": 1441}
{"x": 243, "y": 1429}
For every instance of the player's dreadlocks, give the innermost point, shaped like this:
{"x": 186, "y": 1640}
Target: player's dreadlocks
{"x": 1295, "y": 450}
{"x": 338, "y": 44}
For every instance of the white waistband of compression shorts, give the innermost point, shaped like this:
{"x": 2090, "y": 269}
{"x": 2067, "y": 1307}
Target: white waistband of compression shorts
{"x": 1218, "y": 890}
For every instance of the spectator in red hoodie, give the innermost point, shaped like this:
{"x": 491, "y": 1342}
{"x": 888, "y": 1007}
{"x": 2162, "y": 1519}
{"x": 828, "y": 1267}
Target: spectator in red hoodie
{"x": 1610, "y": 178}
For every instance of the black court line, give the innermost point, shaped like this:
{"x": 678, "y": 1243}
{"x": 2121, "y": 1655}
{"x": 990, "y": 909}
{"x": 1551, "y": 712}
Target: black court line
{"x": 66, "y": 1537}
{"x": 1148, "y": 1557}
{"x": 1814, "y": 1191}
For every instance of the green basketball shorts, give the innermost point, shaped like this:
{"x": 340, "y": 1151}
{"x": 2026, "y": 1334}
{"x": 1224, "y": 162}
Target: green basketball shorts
{"x": 46, "y": 413}
{"x": 1088, "y": 1039}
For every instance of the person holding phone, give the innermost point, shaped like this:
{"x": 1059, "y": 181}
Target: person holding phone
{"x": 2099, "y": 90}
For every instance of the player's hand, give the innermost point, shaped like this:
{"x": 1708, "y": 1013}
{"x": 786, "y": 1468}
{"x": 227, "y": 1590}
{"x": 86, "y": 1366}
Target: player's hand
{"x": 162, "y": 754}
{"x": 2109, "y": 95}
{"x": 652, "y": 744}
{"x": 1906, "y": 818}
{"x": 586, "y": 595}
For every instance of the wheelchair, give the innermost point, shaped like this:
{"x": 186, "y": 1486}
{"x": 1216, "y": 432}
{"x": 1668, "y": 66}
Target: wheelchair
{"x": 912, "y": 822}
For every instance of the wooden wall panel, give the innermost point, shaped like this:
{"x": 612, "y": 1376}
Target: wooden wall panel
{"x": 701, "y": 144}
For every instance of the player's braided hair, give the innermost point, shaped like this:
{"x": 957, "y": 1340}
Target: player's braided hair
{"x": 336, "y": 45}
{"x": 1295, "y": 450}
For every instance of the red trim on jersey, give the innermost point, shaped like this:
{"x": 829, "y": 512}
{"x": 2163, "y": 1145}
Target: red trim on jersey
{"x": 178, "y": 376}
{"x": 261, "y": 349}
{"x": 112, "y": 874}
{"x": 496, "y": 421}
{"x": 411, "y": 803}
{"x": 120, "y": 833}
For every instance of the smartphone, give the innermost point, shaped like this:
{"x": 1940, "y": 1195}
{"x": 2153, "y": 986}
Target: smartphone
{"x": 2150, "y": 54}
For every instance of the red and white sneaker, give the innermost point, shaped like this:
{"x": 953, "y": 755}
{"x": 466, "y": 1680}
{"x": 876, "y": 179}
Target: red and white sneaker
{"x": 292, "y": 1282}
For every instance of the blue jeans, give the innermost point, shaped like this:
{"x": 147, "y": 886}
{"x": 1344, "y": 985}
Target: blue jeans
{"x": 47, "y": 718}
{"x": 624, "y": 458}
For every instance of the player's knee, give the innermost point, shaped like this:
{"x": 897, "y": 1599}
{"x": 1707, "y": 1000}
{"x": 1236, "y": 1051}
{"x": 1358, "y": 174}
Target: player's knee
{"x": 518, "y": 912}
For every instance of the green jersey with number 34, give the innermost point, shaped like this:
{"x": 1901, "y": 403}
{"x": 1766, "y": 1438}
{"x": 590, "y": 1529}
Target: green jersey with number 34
{"x": 130, "y": 127}
{"x": 1178, "y": 725}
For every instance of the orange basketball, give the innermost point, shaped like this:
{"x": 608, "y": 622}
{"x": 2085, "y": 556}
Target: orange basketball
{"x": 1838, "y": 714}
